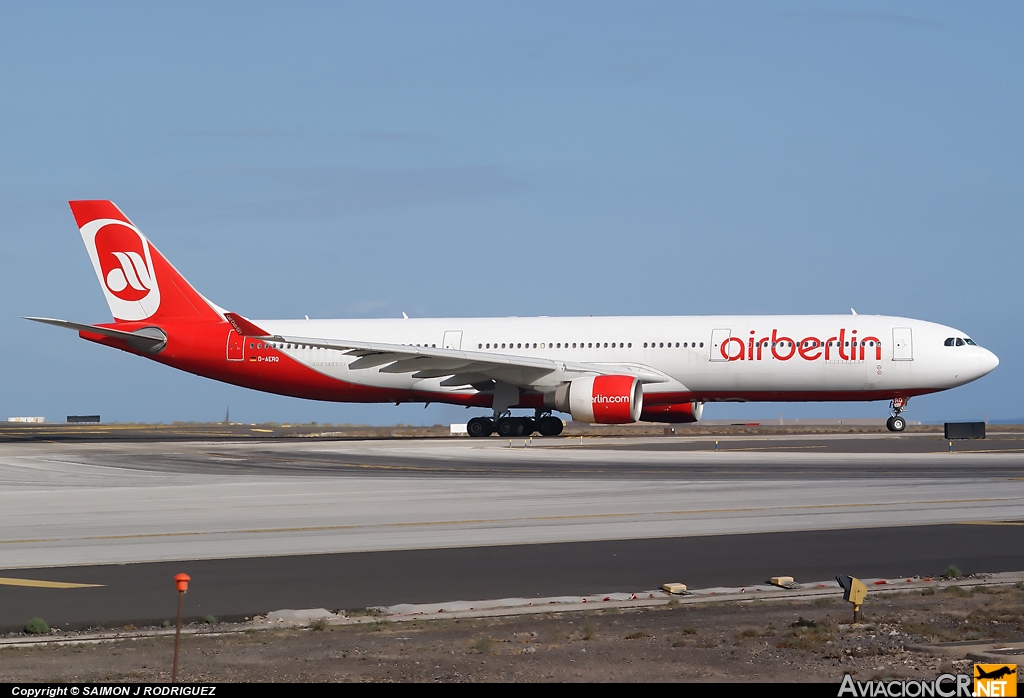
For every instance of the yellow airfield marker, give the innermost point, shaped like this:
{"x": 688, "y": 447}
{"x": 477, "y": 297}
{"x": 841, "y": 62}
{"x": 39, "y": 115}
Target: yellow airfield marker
{"x": 13, "y": 582}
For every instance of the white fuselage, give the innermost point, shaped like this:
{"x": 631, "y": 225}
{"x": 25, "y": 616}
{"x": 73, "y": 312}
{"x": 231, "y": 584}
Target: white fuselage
{"x": 707, "y": 358}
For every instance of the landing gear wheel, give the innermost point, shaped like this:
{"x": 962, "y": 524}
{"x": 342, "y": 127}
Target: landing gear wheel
{"x": 550, "y": 426}
{"x": 897, "y": 423}
{"x": 529, "y": 426}
{"x": 509, "y": 426}
{"x": 888, "y": 424}
{"x": 480, "y": 426}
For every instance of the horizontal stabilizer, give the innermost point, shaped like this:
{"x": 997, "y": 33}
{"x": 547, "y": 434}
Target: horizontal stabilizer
{"x": 148, "y": 339}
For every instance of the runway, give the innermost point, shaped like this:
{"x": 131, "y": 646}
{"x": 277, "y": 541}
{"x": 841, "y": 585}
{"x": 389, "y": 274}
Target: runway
{"x": 73, "y": 504}
{"x": 421, "y": 501}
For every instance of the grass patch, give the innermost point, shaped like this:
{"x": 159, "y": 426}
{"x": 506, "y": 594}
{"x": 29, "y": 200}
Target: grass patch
{"x": 589, "y": 632}
{"x": 804, "y": 638}
{"x": 483, "y": 645}
{"x": 929, "y": 632}
{"x": 637, "y": 635}
{"x": 952, "y": 572}
{"x": 364, "y": 612}
{"x": 954, "y": 590}
{"x": 318, "y": 624}
{"x": 37, "y": 626}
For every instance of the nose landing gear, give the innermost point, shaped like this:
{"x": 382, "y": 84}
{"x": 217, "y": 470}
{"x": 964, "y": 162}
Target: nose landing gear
{"x": 896, "y": 422}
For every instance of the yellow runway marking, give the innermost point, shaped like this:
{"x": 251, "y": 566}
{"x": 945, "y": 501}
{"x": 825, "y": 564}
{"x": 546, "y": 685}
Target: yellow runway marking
{"x": 13, "y": 582}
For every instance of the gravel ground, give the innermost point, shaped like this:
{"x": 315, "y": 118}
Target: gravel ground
{"x": 753, "y": 641}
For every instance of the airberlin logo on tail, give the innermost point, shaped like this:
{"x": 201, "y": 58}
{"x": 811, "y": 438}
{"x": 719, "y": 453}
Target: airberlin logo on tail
{"x": 125, "y": 271}
{"x": 124, "y": 265}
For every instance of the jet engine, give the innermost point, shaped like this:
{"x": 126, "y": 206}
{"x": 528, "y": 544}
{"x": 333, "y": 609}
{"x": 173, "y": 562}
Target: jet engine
{"x": 680, "y": 413}
{"x": 599, "y": 399}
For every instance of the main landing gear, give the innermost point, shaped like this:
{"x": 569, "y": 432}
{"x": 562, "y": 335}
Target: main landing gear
{"x": 508, "y": 426}
{"x": 896, "y": 422}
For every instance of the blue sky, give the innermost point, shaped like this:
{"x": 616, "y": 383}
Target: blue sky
{"x": 468, "y": 159}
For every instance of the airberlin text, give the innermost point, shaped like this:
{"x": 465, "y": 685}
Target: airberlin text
{"x": 609, "y": 399}
{"x": 843, "y": 346}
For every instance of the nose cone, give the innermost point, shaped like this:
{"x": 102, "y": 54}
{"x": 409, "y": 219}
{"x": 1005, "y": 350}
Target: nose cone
{"x": 988, "y": 362}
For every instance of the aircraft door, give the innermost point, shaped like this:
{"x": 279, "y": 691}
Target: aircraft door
{"x": 902, "y": 344}
{"x": 453, "y": 339}
{"x": 717, "y": 337}
{"x": 236, "y": 346}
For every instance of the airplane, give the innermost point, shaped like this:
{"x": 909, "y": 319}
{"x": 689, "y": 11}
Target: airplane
{"x": 599, "y": 370}
{"x": 999, "y": 673}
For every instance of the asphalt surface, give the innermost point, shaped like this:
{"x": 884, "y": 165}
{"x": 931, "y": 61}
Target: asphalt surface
{"x": 383, "y": 522}
{"x": 235, "y": 588}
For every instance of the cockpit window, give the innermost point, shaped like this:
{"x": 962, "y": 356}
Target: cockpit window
{"x": 970, "y": 341}
{"x": 959, "y": 342}
{"x": 949, "y": 342}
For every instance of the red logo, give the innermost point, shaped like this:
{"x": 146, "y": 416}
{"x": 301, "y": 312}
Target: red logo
{"x": 840, "y": 347}
{"x": 123, "y": 258}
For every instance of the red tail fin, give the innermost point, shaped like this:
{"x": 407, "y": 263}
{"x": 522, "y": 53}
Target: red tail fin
{"x": 137, "y": 281}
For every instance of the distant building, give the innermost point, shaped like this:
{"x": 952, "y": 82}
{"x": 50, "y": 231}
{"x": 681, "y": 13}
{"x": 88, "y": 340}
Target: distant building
{"x": 83, "y": 419}
{"x": 34, "y": 420}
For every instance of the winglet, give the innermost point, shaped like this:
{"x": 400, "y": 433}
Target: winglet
{"x": 244, "y": 327}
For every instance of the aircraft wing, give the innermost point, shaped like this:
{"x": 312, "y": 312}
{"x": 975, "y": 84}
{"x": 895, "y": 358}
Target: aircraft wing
{"x": 460, "y": 367}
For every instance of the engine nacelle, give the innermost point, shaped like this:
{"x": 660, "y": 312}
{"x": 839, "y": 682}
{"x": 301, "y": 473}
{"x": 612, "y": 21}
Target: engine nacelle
{"x": 682, "y": 413}
{"x": 599, "y": 399}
